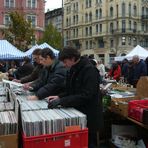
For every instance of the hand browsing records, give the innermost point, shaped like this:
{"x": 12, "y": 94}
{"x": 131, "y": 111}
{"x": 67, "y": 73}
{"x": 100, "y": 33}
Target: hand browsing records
{"x": 54, "y": 103}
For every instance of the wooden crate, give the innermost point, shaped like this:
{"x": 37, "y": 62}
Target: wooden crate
{"x": 120, "y": 105}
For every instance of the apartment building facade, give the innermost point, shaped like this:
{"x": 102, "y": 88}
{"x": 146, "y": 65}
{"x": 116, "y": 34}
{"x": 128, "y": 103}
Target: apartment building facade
{"x": 106, "y": 27}
{"x": 55, "y": 17}
{"x": 32, "y": 10}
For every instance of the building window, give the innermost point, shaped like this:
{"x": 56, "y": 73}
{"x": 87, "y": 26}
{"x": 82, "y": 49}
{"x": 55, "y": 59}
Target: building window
{"x": 135, "y": 10}
{"x": 143, "y": 11}
{"x": 74, "y": 20}
{"x": 6, "y": 20}
{"x": 111, "y": 43}
{"x": 123, "y": 40}
{"x": 90, "y": 30}
{"x": 111, "y": 27}
{"x": 31, "y": 3}
{"x": 123, "y": 26}
{"x": 100, "y": 13}
{"x": 117, "y": 9}
{"x": 97, "y": 15}
{"x": 89, "y": 3}
{"x": 86, "y": 31}
{"x": 86, "y": 17}
{"x": 135, "y": 27}
{"x": 90, "y": 16}
{"x": 77, "y": 19}
{"x": 9, "y": 3}
{"x": 86, "y": 44}
{"x": 32, "y": 19}
{"x": 100, "y": 28}
{"x": 100, "y": 43}
{"x": 142, "y": 26}
{"x": 130, "y": 25}
{"x": 129, "y": 10}
{"x": 111, "y": 12}
{"x": 123, "y": 9}
{"x": 74, "y": 35}
{"x": 77, "y": 31}
{"x": 97, "y": 29}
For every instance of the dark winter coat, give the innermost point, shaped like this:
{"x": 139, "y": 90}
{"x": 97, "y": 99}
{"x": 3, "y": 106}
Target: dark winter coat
{"x": 52, "y": 81}
{"x": 24, "y": 70}
{"x": 140, "y": 69}
{"x": 34, "y": 75}
{"x": 83, "y": 93}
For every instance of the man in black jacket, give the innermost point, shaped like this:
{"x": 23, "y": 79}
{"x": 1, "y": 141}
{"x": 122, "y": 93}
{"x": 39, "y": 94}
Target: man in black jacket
{"x": 53, "y": 76}
{"x": 82, "y": 91}
{"x": 36, "y": 71}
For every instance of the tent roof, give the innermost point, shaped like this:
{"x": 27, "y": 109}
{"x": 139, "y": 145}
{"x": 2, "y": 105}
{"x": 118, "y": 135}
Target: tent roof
{"x": 29, "y": 52}
{"x": 44, "y": 45}
{"x": 8, "y": 51}
{"x": 138, "y": 50}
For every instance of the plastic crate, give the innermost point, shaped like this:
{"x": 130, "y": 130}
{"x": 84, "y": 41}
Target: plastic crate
{"x": 75, "y": 139}
{"x": 136, "y": 108}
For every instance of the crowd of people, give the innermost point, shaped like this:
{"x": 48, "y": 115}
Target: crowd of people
{"x": 72, "y": 80}
{"x": 131, "y": 70}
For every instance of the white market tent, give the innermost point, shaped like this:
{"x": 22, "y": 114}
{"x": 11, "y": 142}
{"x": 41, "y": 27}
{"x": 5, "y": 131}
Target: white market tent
{"x": 9, "y": 52}
{"x": 29, "y": 52}
{"x": 44, "y": 45}
{"x": 138, "y": 50}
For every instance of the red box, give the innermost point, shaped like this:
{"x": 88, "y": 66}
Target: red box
{"x": 135, "y": 109}
{"x": 75, "y": 139}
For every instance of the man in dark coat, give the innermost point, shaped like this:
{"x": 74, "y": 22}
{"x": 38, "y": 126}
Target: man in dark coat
{"x": 82, "y": 91}
{"x": 52, "y": 78}
{"x": 36, "y": 71}
{"x": 25, "y": 69}
{"x": 139, "y": 69}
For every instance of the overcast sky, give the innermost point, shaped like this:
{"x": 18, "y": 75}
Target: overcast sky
{"x": 53, "y": 4}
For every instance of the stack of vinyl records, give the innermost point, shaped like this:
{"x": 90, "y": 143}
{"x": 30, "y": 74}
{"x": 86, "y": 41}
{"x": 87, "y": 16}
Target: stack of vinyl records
{"x": 51, "y": 121}
{"x": 6, "y": 106}
{"x": 8, "y": 123}
{"x": 3, "y": 99}
{"x": 2, "y": 91}
{"x": 33, "y": 105}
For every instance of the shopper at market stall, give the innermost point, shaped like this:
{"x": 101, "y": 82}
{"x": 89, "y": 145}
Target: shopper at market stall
{"x": 25, "y": 69}
{"x": 36, "y": 71}
{"x": 82, "y": 91}
{"x": 52, "y": 78}
{"x": 139, "y": 69}
{"x": 115, "y": 71}
{"x": 125, "y": 69}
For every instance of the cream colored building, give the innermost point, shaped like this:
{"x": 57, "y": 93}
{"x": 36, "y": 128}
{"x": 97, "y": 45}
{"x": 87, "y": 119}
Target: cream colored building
{"x": 106, "y": 27}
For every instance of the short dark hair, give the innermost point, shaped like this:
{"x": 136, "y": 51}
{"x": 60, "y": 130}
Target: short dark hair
{"x": 26, "y": 59}
{"x": 69, "y": 53}
{"x": 37, "y": 51}
{"x": 47, "y": 52}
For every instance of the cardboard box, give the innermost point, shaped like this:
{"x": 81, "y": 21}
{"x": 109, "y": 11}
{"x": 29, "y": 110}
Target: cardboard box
{"x": 9, "y": 141}
{"x": 120, "y": 105}
{"x": 142, "y": 87}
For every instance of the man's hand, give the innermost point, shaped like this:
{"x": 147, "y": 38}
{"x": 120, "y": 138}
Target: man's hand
{"x": 33, "y": 98}
{"x": 53, "y": 103}
{"x": 27, "y": 86}
{"x": 52, "y": 97}
{"x": 16, "y": 80}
